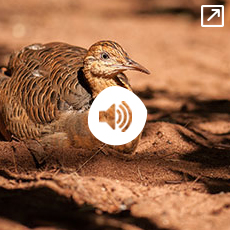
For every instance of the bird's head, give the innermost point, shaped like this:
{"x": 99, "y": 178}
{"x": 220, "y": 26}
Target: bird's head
{"x": 107, "y": 59}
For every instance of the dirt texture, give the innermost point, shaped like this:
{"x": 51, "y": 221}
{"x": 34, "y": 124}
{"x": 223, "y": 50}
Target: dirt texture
{"x": 179, "y": 177}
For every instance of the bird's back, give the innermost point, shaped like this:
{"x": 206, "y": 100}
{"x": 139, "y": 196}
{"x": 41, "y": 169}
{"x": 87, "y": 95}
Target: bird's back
{"x": 43, "y": 82}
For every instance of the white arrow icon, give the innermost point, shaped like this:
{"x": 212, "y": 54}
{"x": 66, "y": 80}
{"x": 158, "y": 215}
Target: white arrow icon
{"x": 217, "y": 12}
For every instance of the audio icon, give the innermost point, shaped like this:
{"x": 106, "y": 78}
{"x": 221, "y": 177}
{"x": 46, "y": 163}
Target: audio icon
{"x": 121, "y": 117}
{"x": 116, "y": 116}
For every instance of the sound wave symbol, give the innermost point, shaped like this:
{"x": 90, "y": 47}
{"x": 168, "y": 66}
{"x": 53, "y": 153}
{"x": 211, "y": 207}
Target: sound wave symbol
{"x": 124, "y": 116}
{"x": 123, "y": 120}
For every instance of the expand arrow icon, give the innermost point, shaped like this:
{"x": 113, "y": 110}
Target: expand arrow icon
{"x": 217, "y": 12}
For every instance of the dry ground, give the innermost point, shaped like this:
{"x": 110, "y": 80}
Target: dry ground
{"x": 180, "y": 176}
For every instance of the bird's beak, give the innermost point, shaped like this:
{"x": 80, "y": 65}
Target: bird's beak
{"x": 132, "y": 65}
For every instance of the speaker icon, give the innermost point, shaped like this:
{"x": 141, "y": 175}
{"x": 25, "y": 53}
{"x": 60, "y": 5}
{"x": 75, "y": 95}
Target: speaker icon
{"x": 116, "y": 116}
{"x": 121, "y": 117}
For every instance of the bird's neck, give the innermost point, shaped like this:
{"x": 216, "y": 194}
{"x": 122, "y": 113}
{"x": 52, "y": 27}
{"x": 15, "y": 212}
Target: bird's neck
{"x": 98, "y": 84}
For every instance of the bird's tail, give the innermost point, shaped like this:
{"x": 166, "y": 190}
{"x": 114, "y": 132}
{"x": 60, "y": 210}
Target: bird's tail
{"x": 4, "y": 134}
{"x": 3, "y": 74}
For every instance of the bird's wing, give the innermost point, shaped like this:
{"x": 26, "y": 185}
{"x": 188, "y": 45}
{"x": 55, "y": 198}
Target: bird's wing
{"x": 45, "y": 80}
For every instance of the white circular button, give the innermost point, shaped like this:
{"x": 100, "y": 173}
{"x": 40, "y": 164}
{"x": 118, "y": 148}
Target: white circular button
{"x": 117, "y": 116}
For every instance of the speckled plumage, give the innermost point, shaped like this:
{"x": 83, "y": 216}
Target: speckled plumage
{"x": 46, "y": 90}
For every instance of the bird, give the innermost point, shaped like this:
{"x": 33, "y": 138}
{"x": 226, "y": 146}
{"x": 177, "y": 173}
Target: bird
{"x": 47, "y": 89}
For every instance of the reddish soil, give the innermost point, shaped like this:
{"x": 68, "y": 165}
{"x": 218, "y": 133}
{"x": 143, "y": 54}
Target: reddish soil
{"x": 180, "y": 175}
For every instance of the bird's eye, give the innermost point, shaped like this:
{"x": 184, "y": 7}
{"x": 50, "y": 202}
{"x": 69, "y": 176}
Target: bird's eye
{"x": 105, "y": 56}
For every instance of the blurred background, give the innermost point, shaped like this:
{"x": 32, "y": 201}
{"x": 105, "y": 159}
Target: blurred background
{"x": 163, "y": 35}
{"x": 189, "y": 88}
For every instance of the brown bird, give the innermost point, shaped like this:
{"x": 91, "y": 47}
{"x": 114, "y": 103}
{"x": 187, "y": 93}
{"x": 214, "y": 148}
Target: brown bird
{"x": 47, "y": 89}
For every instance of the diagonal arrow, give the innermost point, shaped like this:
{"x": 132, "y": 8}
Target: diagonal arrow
{"x": 217, "y": 12}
